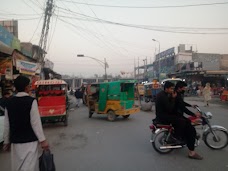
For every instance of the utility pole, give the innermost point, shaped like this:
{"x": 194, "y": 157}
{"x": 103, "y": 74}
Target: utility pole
{"x": 45, "y": 29}
{"x": 134, "y": 70}
{"x": 105, "y": 68}
{"x": 138, "y": 66}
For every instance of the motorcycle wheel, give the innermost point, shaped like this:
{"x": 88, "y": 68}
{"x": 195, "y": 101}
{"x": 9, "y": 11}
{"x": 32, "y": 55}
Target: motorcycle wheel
{"x": 216, "y": 144}
{"x": 160, "y": 140}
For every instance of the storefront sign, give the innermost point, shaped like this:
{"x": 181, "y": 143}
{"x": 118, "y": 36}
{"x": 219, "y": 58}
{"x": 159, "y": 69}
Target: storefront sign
{"x": 28, "y": 68}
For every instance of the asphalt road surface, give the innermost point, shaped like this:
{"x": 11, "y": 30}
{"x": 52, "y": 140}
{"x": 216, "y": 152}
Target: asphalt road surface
{"x": 99, "y": 145}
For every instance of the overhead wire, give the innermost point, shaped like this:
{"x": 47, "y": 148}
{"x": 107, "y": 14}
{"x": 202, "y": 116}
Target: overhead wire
{"x": 153, "y": 28}
{"x": 20, "y": 18}
{"x": 165, "y": 6}
{"x": 111, "y": 43}
{"x": 36, "y": 28}
{"x": 81, "y": 28}
{"x": 102, "y": 41}
{"x": 29, "y": 6}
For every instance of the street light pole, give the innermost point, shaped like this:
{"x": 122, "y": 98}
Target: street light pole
{"x": 159, "y": 67}
{"x": 99, "y": 61}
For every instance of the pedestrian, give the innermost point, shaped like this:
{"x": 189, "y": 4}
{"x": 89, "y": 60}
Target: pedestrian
{"x": 78, "y": 95}
{"x": 207, "y": 94}
{"x": 23, "y": 129}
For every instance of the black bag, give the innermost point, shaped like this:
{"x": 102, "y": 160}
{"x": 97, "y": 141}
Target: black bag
{"x": 46, "y": 161}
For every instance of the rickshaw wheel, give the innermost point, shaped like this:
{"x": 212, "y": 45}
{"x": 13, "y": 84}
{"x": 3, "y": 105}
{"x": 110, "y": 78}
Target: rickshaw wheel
{"x": 65, "y": 121}
{"x": 111, "y": 115}
{"x": 126, "y": 116}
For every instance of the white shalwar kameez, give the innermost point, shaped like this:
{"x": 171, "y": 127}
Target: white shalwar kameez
{"x": 24, "y": 156}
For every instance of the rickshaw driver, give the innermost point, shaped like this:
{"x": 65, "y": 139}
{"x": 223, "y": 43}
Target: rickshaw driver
{"x": 166, "y": 106}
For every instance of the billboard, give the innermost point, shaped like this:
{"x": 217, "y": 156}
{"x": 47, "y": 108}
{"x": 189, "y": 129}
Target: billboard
{"x": 5, "y": 36}
{"x": 28, "y": 68}
{"x": 166, "y": 53}
{"x": 8, "y": 39}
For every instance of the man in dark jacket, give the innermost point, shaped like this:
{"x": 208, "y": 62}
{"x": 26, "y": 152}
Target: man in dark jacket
{"x": 189, "y": 132}
{"x": 78, "y": 95}
{"x": 180, "y": 104}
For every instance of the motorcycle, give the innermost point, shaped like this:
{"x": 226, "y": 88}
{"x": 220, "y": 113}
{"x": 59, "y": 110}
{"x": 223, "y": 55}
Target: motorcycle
{"x": 214, "y": 136}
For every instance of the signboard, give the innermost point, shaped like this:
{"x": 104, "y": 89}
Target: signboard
{"x": 5, "y": 36}
{"x": 166, "y": 53}
{"x": 28, "y": 68}
{"x": 49, "y": 82}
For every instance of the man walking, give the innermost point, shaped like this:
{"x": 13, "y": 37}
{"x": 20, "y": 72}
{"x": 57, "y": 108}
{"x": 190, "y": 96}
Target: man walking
{"x": 78, "y": 95}
{"x": 23, "y": 129}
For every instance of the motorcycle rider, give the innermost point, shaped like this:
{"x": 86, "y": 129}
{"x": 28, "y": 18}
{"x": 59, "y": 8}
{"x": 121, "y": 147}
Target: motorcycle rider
{"x": 189, "y": 132}
{"x": 166, "y": 107}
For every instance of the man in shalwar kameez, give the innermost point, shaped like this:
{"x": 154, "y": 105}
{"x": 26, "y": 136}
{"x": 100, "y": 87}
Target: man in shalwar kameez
{"x": 23, "y": 128}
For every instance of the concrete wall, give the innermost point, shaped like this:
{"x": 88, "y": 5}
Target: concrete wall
{"x": 210, "y": 61}
{"x": 224, "y": 62}
{"x": 183, "y": 57}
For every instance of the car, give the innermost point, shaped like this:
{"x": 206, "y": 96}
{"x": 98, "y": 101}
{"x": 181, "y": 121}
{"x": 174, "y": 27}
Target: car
{"x": 1, "y": 128}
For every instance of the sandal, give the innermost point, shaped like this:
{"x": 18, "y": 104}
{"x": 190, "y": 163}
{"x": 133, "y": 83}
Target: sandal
{"x": 195, "y": 156}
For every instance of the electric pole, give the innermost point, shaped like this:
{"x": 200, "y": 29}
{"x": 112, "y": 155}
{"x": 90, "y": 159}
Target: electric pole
{"x": 45, "y": 29}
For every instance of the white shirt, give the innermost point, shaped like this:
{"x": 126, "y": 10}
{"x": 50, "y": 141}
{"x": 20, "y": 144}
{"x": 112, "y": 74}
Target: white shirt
{"x": 34, "y": 120}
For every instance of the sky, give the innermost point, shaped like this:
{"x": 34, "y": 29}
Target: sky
{"x": 73, "y": 31}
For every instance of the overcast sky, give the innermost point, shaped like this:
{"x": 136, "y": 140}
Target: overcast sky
{"x": 72, "y": 32}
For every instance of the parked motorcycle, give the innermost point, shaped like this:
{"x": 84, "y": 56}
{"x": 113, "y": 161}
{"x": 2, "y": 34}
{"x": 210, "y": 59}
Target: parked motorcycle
{"x": 214, "y": 136}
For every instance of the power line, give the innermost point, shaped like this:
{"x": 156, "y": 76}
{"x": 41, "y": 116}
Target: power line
{"x": 153, "y": 28}
{"x": 166, "y": 6}
{"x": 20, "y": 18}
{"x": 20, "y": 14}
{"x": 36, "y": 29}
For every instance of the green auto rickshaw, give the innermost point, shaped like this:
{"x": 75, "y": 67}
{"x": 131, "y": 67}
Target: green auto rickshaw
{"x": 112, "y": 98}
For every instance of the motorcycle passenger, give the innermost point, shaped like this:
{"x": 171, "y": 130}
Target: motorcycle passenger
{"x": 189, "y": 132}
{"x": 166, "y": 105}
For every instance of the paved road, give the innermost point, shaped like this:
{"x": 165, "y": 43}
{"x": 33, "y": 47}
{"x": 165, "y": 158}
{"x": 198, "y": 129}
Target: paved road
{"x": 98, "y": 145}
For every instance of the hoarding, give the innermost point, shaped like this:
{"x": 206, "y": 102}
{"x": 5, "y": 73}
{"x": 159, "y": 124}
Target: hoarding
{"x": 28, "y": 68}
{"x": 166, "y": 53}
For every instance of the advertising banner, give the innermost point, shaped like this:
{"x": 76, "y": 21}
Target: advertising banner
{"x": 28, "y": 68}
{"x": 166, "y": 53}
{"x": 5, "y": 36}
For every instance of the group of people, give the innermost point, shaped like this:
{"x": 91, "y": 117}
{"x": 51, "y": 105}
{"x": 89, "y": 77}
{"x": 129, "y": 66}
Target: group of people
{"x": 170, "y": 109}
